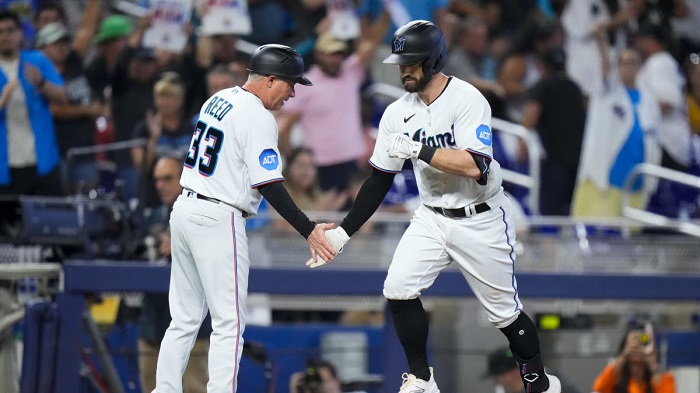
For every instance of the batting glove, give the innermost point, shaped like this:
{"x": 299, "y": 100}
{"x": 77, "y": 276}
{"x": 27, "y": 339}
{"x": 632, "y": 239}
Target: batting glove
{"x": 403, "y": 147}
{"x": 337, "y": 237}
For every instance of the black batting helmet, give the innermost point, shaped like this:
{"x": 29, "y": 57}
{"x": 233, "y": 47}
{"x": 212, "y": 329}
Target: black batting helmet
{"x": 419, "y": 41}
{"x": 278, "y": 60}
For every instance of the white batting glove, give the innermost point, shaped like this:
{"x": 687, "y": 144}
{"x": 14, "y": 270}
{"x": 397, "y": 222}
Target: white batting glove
{"x": 337, "y": 237}
{"x": 403, "y": 147}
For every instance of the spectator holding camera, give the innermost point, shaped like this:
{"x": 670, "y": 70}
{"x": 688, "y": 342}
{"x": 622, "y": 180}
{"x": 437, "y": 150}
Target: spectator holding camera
{"x": 636, "y": 367}
{"x": 318, "y": 377}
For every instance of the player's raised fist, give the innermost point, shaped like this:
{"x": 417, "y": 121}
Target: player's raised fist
{"x": 403, "y": 147}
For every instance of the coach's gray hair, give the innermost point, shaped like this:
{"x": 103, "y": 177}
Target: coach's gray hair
{"x": 254, "y": 75}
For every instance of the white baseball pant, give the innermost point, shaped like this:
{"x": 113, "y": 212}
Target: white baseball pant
{"x": 483, "y": 246}
{"x": 209, "y": 268}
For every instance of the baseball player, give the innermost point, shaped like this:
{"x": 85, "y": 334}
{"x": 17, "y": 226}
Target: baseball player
{"x": 443, "y": 125}
{"x": 232, "y": 162}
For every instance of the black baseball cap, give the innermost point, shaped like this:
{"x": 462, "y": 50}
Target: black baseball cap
{"x": 500, "y": 361}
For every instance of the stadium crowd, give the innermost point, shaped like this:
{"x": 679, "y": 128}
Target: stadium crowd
{"x": 603, "y": 84}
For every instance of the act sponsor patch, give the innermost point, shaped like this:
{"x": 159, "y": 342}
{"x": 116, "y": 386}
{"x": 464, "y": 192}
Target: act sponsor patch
{"x": 269, "y": 159}
{"x": 483, "y": 133}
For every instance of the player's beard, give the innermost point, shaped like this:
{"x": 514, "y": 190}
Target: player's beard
{"x": 414, "y": 86}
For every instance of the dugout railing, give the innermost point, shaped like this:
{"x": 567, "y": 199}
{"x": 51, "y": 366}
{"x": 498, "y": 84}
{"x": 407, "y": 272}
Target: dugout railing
{"x": 567, "y": 266}
{"x": 688, "y": 226}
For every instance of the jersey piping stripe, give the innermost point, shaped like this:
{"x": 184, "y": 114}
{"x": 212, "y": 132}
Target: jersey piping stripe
{"x": 449, "y": 79}
{"x": 238, "y": 314}
{"x": 382, "y": 169}
{"x": 478, "y": 153}
{"x": 512, "y": 252}
{"x": 279, "y": 179}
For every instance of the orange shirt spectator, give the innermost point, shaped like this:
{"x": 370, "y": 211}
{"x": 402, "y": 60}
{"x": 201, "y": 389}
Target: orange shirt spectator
{"x": 607, "y": 380}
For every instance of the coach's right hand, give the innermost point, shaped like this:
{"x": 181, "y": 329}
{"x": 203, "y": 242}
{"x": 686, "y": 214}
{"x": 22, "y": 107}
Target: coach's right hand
{"x": 319, "y": 246}
{"x": 337, "y": 237}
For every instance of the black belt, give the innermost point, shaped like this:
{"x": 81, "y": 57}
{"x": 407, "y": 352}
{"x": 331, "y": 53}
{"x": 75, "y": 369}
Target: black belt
{"x": 462, "y": 212}
{"x": 200, "y": 196}
{"x": 212, "y": 200}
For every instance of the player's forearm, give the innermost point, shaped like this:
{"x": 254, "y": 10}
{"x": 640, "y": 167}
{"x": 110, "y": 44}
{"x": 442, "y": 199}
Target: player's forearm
{"x": 455, "y": 162}
{"x": 282, "y": 202}
{"x": 369, "y": 198}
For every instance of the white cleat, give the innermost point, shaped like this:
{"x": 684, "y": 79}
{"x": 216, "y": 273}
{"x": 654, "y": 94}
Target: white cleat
{"x": 411, "y": 384}
{"x": 554, "y": 385}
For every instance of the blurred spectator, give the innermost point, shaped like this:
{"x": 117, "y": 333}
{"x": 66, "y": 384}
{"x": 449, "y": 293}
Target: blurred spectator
{"x": 401, "y": 12}
{"x": 239, "y": 71}
{"x": 471, "y": 60}
{"x": 305, "y": 16}
{"x": 112, "y": 37}
{"x": 502, "y": 367}
{"x": 318, "y": 377}
{"x": 269, "y": 19}
{"x": 29, "y": 156}
{"x": 619, "y": 135}
{"x": 673, "y": 132}
{"x": 302, "y": 184}
{"x": 581, "y": 19}
{"x": 166, "y": 129}
{"x": 214, "y": 48}
{"x": 692, "y": 73}
{"x": 687, "y": 31}
{"x": 74, "y": 121}
{"x": 658, "y": 14}
{"x": 50, "y": 12}
{"x": 636, "y": 368}
{"x": 518, "y": 70}
{"x": 330, "y": 113}
{"x": 132, "y": 82}
{"x": 155, "y": 316}
{"x": 505, "y": 17}
{"x": 555, "y": 108}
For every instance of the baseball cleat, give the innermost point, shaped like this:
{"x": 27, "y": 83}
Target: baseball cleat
{"x": 554, "y": 385}
{"x": 411, "y": 384}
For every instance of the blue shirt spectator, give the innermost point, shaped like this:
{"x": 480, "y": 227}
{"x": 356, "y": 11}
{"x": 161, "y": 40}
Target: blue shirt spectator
{"x": 39, "y": 115}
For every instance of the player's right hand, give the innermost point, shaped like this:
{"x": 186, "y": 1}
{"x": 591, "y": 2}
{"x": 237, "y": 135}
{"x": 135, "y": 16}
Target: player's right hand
{"x": 337, "y": 238}
{"x": 403, "y": 147}
{"x": 321, "y": 249}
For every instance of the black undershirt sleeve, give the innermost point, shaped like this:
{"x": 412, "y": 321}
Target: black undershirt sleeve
{"x": 279, "y": 198}
{"x": 369, "y": 198}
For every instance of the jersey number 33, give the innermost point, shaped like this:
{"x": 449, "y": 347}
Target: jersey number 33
{"x": 213, "y": 141}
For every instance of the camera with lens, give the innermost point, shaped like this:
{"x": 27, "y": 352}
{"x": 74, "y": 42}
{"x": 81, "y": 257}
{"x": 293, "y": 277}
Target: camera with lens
{"x": 311, "y": 381}
{"x": 645, "y": 335}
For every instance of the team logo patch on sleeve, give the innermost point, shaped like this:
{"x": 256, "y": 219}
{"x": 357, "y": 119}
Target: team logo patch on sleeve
{"x": 269, "y": 159}
{"x": 483, "y": 133}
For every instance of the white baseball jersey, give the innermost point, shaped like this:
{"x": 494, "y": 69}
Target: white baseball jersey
{"x": 460, "y": 118}
{"x": 483, "y": 245}
{"x": 233, "y": 150}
